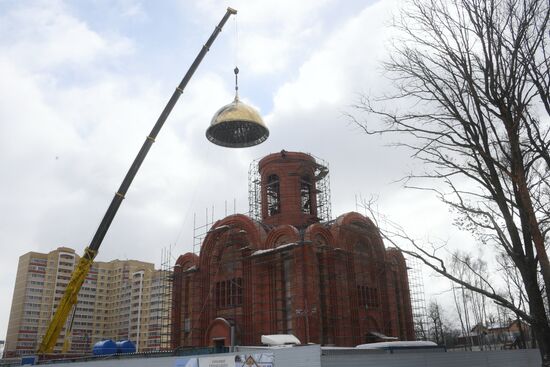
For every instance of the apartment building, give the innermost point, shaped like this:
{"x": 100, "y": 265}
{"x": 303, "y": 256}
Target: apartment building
{"x": 120, "y": 299}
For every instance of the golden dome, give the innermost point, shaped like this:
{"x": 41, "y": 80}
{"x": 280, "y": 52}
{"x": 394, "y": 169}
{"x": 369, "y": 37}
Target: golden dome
{"x": 237, "y": 125}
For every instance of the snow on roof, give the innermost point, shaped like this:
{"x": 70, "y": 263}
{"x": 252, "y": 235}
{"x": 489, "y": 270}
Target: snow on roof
{"x": 261, "y": 252}
{"x": 220, "y": 228}
{"x": 398, "y": 344}
{"x": 383, "y": 337}
{"x": 279, "y": 339}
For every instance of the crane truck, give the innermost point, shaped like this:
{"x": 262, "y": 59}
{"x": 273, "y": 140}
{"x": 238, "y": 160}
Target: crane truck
{"x": 70, "y": 296}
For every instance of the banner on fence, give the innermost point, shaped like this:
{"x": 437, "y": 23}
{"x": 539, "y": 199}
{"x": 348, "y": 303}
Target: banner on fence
{"x": 239, "y": 360}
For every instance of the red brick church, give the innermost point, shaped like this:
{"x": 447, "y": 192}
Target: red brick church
{"x": 288, "y": 270}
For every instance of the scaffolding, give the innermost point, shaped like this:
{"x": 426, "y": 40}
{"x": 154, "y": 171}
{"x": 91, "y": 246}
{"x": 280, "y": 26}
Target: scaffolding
{"x": 254, "y": 190}
{"x": 418, "y": 301}
{"x": 273, "y": 280}
{"x": 200, "y": 231}
{"x": 164, "y": 288}
{"x": 322, "y": 189}
{"x": 322, "y": 178}
{"x": 274, "y": 272}
{"x": 416, "y": 289}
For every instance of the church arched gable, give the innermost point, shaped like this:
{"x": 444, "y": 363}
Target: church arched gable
{"x": 238, "y": 229}
{"x": 352, "y": 228}
{"x": 319, "y": 235}
{"x": 282, "y": 234}
{"x": 188, "y": 260}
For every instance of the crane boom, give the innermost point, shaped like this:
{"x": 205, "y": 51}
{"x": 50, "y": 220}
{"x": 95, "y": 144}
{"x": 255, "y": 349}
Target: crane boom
{"x": 70, "y": 296}
{"x": 67, "y": 301}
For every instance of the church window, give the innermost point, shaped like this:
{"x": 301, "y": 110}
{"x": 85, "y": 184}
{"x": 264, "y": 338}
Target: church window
{"x": 368, "y": 296}
{"x": 361, "y": 247}
{"x": 229, "y": 293}
{"x": 305, "y": 195}
{"x": 273, "y": 195}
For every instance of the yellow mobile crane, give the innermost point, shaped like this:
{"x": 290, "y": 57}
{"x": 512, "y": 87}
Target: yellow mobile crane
{"x": 234, "y": 132}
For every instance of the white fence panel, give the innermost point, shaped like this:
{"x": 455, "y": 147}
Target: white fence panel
{"x": 505, "y": 358}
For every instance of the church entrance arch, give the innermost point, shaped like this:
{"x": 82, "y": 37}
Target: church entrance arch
{"x": 218, "y": 333}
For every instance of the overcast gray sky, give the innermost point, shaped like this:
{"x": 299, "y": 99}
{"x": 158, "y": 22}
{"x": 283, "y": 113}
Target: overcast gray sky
{"x": 81, "y": 84}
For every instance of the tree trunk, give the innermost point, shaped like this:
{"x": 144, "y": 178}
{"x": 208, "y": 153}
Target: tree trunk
{"x": 540, "y": 324}
{"x": 542, "y": 334}
{"x": 525, "y": 204}
{"x": 523, "y": 344}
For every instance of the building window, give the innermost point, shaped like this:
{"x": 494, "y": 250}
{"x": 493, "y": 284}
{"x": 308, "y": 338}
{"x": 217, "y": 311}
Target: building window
{"x": 229, "y": 293}
{"x": 305, "y": 195}
{"x": 273, "y": 195}
{"x": 368, "y": 296}
{"x": 360, "y": 247}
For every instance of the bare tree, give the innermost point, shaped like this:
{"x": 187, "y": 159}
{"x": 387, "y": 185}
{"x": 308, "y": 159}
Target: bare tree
{"x": 461, "y": 265}
{"x": 464, "y": 327}
{"x": 441, "y": 329}
{"x": 515, "y": 289}
{"x": 436, "y": 323}
{"x": 477, "y": 75}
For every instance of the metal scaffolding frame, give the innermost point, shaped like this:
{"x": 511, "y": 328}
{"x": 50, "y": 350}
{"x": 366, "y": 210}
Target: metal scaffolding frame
{"x": 270, "y": 282}
{"x": 416, "y": 289}
{"x": 418, "y": 301}
{"x": 163, "y": 302}
{"x": 270, "y": 269}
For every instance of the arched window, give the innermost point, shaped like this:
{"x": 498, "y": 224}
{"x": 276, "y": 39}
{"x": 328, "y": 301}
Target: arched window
{"x": 273, "y": 195}
{"x": 360, "y": 247}
{"x": 364, "y": 247}
{"x": 305, "y": 195}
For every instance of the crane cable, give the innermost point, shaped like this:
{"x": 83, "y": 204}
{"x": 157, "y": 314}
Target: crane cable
{"x": 236, "y": 51}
